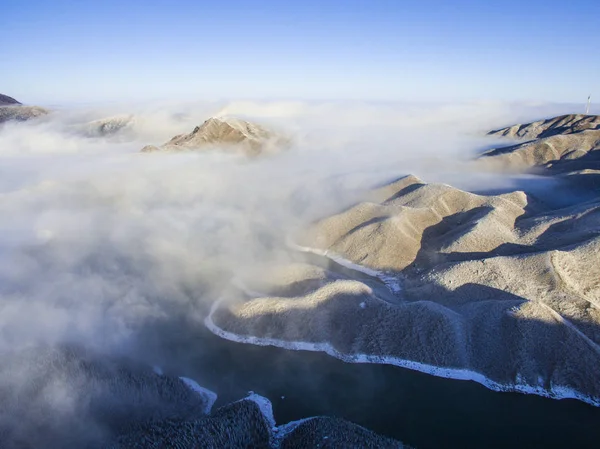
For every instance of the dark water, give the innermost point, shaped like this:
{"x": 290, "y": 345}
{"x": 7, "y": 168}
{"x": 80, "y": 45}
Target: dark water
{"x": 418, "y": 409}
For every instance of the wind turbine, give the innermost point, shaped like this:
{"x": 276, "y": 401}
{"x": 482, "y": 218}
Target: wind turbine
{"x": 587, "y": 108}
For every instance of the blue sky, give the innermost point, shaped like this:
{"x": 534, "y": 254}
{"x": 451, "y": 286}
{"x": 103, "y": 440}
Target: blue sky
{"x": 80, "y": 50}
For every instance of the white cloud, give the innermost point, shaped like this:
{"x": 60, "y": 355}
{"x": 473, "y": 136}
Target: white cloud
{"x": 98, "y": 241}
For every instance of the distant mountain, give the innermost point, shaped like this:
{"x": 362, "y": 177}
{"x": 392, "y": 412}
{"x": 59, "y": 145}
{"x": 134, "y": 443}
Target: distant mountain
{"x": 11, "y": 109}
{"x": 21, "y": 113}
{"x": 230, "y": 133}
{"x": 560, "y": 139}
{"x": 564, "y": 124}
{"x": 545, "y": 150}
{"x": 6, "y": 100}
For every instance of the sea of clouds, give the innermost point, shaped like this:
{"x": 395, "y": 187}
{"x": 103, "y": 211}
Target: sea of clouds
{"x": 97, "y": 237}
{"x": 99, "y": 242}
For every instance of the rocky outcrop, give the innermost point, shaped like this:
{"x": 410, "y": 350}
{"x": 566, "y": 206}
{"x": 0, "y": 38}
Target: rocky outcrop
{"x": 224, "y": 133}
{"x": 108, "y": 126}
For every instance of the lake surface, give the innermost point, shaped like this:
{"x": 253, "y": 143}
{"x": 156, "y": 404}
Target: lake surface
{"x": 416, "y": 408}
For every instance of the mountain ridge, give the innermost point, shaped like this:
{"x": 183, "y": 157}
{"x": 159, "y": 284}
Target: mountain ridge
{"x": 565, "y": 138}
{"x": 562, "y": 124}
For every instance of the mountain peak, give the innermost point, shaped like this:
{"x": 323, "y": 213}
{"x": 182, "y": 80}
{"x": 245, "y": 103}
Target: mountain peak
{"x": 224, "y": 131}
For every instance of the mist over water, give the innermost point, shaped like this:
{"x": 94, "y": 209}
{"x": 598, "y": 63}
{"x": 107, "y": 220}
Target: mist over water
{"x": 104, "y": 247}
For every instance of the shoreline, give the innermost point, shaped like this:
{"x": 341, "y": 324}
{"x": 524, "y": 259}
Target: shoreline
{"x": 390, "y": 282}
{"x": 557, "y": 392}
